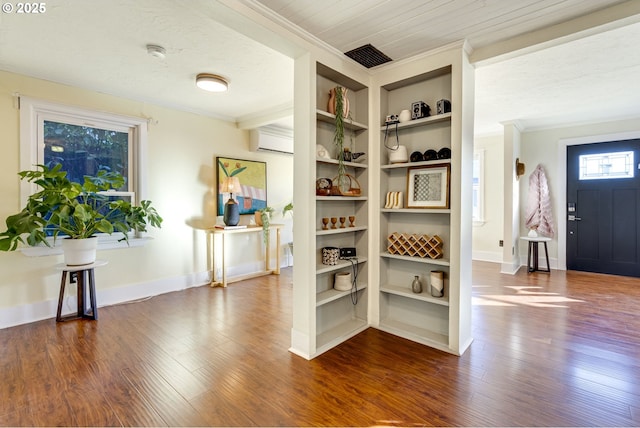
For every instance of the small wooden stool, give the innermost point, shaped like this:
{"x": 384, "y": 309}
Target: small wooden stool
{"x": 532, "y": 253}
{"x": 84, "y": 271}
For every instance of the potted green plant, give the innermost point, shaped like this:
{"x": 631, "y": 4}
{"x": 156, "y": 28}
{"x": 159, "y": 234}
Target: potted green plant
{"x": 287, "y": 209}
{"x": 75, "y": 210}
{"x": 263, "y": 218}
{"x": 338, "y": 99}
{"x": 338, "y": 136}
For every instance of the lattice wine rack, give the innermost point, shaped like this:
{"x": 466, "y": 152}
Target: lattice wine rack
{"x": 405, "y": 244}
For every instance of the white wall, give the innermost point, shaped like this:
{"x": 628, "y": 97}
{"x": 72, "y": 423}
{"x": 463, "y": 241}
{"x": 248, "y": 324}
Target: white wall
{"x": 541, "y": 147}
{"x": 180, "y": 171}
{"x": 486, "y": 236}
{"x": 537, "y": 147}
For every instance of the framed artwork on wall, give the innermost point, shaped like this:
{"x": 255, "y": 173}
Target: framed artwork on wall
{"x": 428, "y": 186}
{"x": 244, "y": 180}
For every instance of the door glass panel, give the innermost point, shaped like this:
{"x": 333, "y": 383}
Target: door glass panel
{"x": 602, "y": 166}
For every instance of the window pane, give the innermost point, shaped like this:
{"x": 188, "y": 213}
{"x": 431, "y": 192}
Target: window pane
{"x": 478, "y": 186}
{"x": 84, "y": 150}
{"x": 602, "y": 166}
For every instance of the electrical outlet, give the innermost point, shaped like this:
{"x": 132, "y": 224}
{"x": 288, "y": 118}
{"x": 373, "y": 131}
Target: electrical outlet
{"x": 501, "y": 243}
{"x": 73, "y": 277}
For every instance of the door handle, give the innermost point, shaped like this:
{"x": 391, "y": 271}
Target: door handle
{"x": 574, "y": 218}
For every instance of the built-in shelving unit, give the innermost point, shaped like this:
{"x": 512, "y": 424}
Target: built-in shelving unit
{"x": 421, "y": 317}
{"x": 383, "y": 298}
{"x": 339, "y": 315}
{"x": 419, "y": 122}
{"x": 350, "y": 124}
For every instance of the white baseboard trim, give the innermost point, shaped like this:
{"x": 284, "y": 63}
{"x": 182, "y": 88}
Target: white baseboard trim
{"x": 510, "y": 268}
{"x": 38, "y": 311}
{"x": 300, "y": 344}
{"x": 542, "y": 262}
{"x": 487, "y": 256}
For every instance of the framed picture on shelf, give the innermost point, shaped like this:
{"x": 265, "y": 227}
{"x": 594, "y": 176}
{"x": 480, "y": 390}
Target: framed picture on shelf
{"x": 428, "y": 186}
{"x": 247, "y": 179}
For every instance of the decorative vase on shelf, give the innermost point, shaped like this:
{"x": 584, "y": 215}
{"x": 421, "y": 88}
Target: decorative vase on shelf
{"x": 399, "y": 155}
{"x": 437, "y": 283}
{"x": 404, "y": 116}
{"x": 416, "y": 285}
{"x": 331, "y": 105}
{"x": 342, "y": 281}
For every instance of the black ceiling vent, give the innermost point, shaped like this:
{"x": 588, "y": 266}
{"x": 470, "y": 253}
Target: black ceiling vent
{"x": 368, "y": 56}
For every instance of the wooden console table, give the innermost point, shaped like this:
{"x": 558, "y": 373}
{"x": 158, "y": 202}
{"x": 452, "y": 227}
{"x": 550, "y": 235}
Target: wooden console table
{"x": 223, "y": 234}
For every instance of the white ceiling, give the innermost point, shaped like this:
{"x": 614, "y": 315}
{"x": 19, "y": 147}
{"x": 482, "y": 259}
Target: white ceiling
{"x": 100, "y": 45}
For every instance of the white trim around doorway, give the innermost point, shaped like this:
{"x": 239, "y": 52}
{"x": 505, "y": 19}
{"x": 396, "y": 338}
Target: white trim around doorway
{"x": 562, "y": 174}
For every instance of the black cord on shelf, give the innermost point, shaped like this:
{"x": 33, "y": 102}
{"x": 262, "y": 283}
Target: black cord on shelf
{"x": 386, "y": 131}
{"x": 354, "y": 281}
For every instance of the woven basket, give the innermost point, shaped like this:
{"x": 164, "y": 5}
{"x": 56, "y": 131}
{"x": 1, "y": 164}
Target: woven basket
{"x": 350, "y": 186}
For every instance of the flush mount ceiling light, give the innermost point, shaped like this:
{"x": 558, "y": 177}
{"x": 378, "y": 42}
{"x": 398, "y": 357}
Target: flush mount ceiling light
{"x": 211, "y": 82}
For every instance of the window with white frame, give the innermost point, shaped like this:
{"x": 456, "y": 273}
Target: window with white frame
{"x": 478, "y": 187}
{"x": 83, "y": 141}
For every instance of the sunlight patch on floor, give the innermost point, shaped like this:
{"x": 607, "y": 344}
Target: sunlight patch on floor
{"x": 480, "y": 301}
{"x": 525, "y": 295}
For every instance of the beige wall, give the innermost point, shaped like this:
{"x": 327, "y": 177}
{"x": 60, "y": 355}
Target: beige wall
{"x": 180, "y": 159}
{"x": 487, "y": 235}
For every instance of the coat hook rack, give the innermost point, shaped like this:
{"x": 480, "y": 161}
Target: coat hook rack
{"x": 519, "y": 168}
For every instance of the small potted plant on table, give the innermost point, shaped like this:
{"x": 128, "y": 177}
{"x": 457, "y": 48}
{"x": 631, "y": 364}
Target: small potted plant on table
{"x": 263, "y": 218}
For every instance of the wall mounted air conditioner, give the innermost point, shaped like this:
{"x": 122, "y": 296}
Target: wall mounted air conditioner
{"x": 272, "y": 139}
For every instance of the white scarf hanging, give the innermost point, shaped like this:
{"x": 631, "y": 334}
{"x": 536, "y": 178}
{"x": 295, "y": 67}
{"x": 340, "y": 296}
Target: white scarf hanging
{"x": 539, "y": 212}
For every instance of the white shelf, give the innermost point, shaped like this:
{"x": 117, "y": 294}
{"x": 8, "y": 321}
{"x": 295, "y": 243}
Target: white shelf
{"x": 341, "y": 198}
{"x": 416, "y": 210}
{"x": 439, "y": 262}
{"x": 347, "y": 229}
{"x": 348, "y": 164}
{"x": 338, "y": 334}
{"x": 406, "y": 292}
{"x": 419, "y": 122}
{"x": 410, "y": 164}
{"x": 330, "y": 295}
{"x": 324, "y": 116}
{"x": 416, "y": 334}
{"x": 320, "y": 268}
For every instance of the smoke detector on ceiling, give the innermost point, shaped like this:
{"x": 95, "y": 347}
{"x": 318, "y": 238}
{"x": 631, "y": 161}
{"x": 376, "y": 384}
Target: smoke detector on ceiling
{"x": 157, "y": 51}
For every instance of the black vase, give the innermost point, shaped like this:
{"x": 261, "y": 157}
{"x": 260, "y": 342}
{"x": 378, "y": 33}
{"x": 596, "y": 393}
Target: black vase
{"x": 231, "y": 213}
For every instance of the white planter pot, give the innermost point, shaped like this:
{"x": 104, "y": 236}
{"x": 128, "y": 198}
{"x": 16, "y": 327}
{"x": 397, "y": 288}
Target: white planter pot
{"x": 398, "y": 155}
{"x": 78, "y": 252}
{"x": 342, "y": 281}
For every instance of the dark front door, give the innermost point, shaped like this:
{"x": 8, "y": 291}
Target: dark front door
{"x": 603, "y": 207}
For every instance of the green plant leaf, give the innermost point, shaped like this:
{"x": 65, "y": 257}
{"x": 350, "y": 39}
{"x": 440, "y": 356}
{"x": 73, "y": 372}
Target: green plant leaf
{"x": 74, "y": 209}
{"x": 238, "y": 171}
{"x": 226, "y": 173}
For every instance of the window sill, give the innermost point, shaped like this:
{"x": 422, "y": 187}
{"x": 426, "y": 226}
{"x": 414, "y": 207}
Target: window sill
{"x": 108, "y": 244}
{"x": 478, "y": 223}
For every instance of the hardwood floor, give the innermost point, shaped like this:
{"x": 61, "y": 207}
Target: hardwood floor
{"x": 549, "y": 350}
